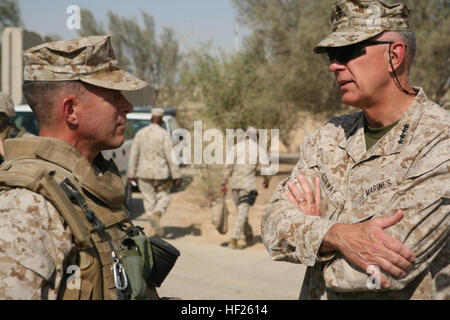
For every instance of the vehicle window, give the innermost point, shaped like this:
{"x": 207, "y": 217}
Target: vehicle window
{"x": 136, "y": 125}
{"x": 26, "y": 120}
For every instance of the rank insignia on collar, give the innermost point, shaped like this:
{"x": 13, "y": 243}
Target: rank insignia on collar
{"x": 403, "y": 135}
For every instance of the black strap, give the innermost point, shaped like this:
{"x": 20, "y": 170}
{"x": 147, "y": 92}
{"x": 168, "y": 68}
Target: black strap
{"x": 243, "y": 199}
{"x": 397, "y": 82}
{"x": 77, "y": 198}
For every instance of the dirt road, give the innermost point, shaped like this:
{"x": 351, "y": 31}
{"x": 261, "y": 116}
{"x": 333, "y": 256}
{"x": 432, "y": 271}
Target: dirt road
{"x": 207, "y": 269}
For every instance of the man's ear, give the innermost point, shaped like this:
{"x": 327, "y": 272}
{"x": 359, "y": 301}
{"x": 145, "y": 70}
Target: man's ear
{"x": 397, "y": 56}
{"x": 70, "y": 112}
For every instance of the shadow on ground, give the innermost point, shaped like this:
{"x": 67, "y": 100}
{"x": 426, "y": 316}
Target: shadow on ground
{"x": 186, "y": 181}
{"x": 179, "y": 232}
{"x": 256, "y": 239}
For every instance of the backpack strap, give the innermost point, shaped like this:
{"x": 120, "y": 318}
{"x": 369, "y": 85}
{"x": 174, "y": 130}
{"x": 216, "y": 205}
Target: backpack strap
{"x": 45, "y": 184}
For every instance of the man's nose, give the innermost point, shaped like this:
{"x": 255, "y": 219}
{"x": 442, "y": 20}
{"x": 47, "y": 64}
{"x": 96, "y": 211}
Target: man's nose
{"x": 336, "y": 66}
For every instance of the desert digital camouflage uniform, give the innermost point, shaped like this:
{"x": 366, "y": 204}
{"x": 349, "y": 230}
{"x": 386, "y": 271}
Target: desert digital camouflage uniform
{"x": 151, "y": 163}
{"x": 34, "y": 238}
{"x": 243, "y": 180}
{"x": 43, "y": 234}
{"x": 407, "y": 169}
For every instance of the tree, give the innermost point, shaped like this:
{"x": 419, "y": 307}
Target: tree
{"x": 9, "y": 14}
{"x": 275, "y": 75}
{"x": 89, "y": 26}
{"x": 140, "y": 52}
{"x": 431, "y": 69}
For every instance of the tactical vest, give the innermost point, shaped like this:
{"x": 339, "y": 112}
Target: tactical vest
{"x": 45, "y": 166}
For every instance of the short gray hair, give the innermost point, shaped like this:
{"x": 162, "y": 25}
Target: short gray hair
{"x": 409, "y": 37}
{"x": 40, "y": 95}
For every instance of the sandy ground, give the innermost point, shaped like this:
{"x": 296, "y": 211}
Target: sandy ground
{"x": 207, "y": 269}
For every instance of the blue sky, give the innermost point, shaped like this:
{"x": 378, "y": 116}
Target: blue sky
{"x": 194, "y": 21}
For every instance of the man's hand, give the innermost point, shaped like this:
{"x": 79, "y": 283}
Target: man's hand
{"x": 265, "y": 184}
{"x": 366, "y": 244}
{"x": 308, "y": 201}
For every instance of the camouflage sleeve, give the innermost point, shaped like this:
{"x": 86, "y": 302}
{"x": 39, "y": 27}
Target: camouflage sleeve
{"x": 33, "y": 246}
{"x": 424, "y": 198}
{"x": 134, "y": 157}
{"x": 174, "y": 169}
{"x": 289, "y": 234}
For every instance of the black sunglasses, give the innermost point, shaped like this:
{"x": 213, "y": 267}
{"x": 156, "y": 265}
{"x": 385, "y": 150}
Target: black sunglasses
{"x": 347, "y": 53}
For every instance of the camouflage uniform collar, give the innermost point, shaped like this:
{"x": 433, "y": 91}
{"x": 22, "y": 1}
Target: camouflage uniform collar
{"x": 393, "y": 142}
{"x": 400, "y": 136}
{"x": 101, "y": 180}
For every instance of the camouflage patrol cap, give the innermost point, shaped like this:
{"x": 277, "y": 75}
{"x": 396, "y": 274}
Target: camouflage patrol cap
{"x": 90, "y": 60}
{"x": 6, "y": 105}
{"x": 354, "y": 21}
{"x": 157, "y": 112}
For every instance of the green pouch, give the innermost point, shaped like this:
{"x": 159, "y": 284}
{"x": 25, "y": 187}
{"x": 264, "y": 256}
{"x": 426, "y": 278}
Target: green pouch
{"x": 137, "y": 259}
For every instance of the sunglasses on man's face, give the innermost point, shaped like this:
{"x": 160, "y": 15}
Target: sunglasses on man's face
{"x": 347, "y": 53}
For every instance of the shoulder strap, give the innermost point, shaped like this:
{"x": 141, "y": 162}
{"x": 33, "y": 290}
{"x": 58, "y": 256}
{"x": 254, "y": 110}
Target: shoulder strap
{"x": 45, "y": 184}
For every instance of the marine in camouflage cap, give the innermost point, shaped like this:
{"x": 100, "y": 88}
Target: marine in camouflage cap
{"x": 347, "y": 188}
{"x": 354, "y": 21}
{"x": 73, "y": 87}
{"x": 157, "y": 112}
{"x": 90, "y": 60}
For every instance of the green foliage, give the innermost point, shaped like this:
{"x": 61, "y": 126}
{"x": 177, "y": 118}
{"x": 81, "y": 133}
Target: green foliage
{"x": 140, "y": 52}
{"x": 9, "y": 14}
{"x": 431, "y": 69}
{"x": 277, "y": 74}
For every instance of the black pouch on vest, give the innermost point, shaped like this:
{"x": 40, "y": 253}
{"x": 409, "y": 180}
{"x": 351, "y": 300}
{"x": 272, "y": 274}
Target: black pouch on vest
{"x": 252, "y": 197}
{"x": 164, "y": 257}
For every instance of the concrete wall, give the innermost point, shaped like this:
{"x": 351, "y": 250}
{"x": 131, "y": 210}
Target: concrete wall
{"x": 14, "y": 42}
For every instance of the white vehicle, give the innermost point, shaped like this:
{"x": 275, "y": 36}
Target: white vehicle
{"x": 25, "y": 118}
